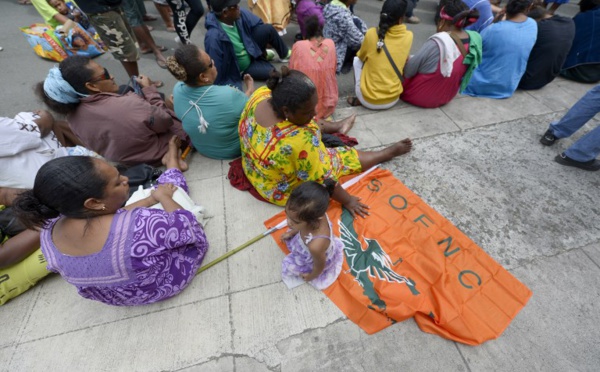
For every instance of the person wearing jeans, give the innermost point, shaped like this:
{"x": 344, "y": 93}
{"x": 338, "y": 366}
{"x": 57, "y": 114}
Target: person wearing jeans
{"x": 582, "y": 154}
{"x": 237, "y": 41}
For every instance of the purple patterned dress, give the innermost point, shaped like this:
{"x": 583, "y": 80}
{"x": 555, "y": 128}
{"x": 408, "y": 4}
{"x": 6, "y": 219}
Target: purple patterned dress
{"x": 300, "y": 261}
{"x": 150, "y": 255}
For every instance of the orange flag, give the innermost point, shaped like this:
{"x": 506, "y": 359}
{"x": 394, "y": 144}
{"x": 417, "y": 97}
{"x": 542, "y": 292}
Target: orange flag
{"x": 406, "y": 260}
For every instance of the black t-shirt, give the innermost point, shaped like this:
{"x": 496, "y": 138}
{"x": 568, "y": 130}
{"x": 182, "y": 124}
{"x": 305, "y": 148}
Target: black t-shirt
{"x": 98, "y": 6}
{"x": 554, "y": 38}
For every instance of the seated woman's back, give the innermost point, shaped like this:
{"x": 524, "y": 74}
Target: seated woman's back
{"x": 434, "y": 74}
{"x": 379, "y": 82}
{"x": 130, "y": 128}
{"x": 125, "y": 128}
{"x": 116, "y": 255}
{"x": 316, "y": 57}
{"x": 209, "y": 113}
{"x": 506, "y": 48}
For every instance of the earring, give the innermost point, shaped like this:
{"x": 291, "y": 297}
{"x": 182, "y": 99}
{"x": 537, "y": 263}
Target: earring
{"x": 104, "y": 207}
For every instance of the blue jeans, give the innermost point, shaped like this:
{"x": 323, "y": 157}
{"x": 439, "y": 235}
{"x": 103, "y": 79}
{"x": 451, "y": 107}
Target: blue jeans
{"x": 587, "y": 147}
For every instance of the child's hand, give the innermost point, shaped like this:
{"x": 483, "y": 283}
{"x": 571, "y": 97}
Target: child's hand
{"x": 164, "y": 191}
{"x": 288, "y": 235}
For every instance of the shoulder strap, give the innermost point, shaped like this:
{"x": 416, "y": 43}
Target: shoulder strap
{"x": 459, "y": 44}
{"x": 387, "y": 53}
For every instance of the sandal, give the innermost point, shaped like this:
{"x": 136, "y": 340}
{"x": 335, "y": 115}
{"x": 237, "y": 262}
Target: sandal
{"x": 353, "y": 101}
{"x": 161, "y": 63}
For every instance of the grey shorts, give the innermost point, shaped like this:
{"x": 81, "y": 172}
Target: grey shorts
{"x": 116, "y": 34}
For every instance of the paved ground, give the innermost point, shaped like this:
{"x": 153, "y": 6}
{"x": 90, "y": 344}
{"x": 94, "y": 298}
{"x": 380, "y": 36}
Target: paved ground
{"x": 476, "y": 161}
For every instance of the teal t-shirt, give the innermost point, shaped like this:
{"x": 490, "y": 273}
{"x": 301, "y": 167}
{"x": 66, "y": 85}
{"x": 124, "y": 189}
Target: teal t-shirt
{"x": 221, "y": 107}
{"x": 242, "y": 56}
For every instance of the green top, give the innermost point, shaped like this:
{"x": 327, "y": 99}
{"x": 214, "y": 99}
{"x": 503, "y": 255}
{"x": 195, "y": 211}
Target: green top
{"x": 241, "y": 54}
{"x": 473, "y": 58}
{"x": 47, "y": 12}
{"x": 221, "y": 106}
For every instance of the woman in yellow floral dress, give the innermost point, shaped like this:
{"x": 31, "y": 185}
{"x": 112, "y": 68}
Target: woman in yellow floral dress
{"x": 281, "y": 143}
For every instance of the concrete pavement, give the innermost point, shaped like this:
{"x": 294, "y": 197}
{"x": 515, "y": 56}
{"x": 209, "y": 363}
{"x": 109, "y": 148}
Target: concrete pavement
{"x": 476, "y": 161}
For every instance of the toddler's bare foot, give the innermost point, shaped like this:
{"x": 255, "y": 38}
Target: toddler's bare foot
{"x": 401, "y": 147}
{"x": 172, "y": 159}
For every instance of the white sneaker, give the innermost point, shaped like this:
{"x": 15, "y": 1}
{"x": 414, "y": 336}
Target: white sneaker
{"x": 271, "y": 55}
{"x": 287, "y": 58}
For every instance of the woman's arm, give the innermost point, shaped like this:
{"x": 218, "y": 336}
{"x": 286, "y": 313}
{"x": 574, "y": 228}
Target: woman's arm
{"x": 19, "y": 247}
{"x": 8, "y": 195}
{"x": 425, "y": 61}
{"x": 164, "y": 195}
{"x": 350, "y": 202}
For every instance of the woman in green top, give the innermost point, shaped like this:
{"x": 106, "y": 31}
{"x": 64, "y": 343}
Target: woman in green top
{"x": 209, "y": 113}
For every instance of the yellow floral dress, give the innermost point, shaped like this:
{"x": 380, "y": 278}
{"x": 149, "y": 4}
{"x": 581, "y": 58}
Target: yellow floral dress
{"x": 279, "y": 158}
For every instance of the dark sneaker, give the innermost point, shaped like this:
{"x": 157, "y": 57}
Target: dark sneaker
{"x": 592, "y": 165}
{"x": 548, "y": 138}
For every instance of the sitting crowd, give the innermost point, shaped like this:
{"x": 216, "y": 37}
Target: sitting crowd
{"x": 69, "y": 201}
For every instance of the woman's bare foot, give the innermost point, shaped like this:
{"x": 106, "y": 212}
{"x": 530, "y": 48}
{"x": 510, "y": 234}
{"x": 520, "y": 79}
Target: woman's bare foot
{"x": 172, "y": 159}
{"x": 401, "y": 147}
{"x": 342, "y": 126}
{"x": 347, "y": 124}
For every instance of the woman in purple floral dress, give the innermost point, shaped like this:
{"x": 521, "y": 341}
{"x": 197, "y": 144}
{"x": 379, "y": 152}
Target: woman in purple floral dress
{"x": 120, "y": 256}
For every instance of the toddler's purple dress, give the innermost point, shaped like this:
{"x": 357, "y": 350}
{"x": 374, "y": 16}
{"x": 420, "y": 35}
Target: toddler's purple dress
{"x": 300, "y": 261}
{"x": 150, "y": 255}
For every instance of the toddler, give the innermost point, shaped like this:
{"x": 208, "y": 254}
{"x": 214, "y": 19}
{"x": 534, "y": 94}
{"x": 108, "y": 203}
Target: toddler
{"x": 72, "y": 12}
{"x": 316, "y": 255}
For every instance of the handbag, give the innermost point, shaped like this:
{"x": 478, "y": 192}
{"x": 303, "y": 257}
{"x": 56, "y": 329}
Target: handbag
{"x": 9, "y": 223}
{"x": 140, "y": 175}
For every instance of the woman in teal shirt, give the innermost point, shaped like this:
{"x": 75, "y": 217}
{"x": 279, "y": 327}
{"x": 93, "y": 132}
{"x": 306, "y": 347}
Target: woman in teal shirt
{"x": 209, "y": 113}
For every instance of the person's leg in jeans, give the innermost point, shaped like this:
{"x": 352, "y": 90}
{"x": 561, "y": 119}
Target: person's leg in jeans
{"x": 266, "y": 34}
{"x": 578, "y": 115}
{"x": 587, "y": 148}
{"x": 259, "y": 69}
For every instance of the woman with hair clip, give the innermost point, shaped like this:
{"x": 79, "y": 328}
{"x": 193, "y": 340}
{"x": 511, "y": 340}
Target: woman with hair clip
{"x": 128, "y": 128}
{"x": 209, "y": 113}
{"x": 122, "y": 256}
{"x": 282, "y": 147}
{"x": 446, "y": 61}
{"x": 506, "y": 48}
{"x": 379, "y": 64}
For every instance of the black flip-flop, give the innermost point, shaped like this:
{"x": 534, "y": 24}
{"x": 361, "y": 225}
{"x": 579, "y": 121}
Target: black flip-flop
{"x": 148, "y": 51}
